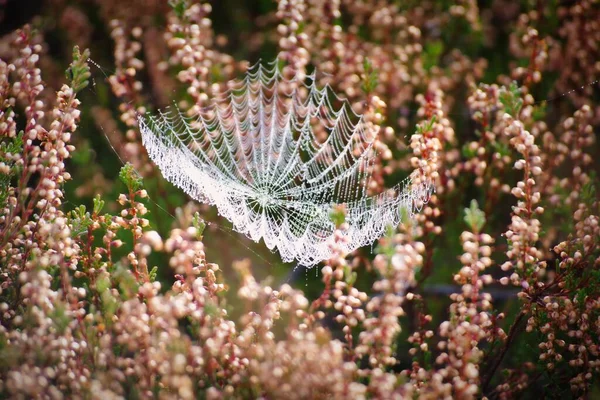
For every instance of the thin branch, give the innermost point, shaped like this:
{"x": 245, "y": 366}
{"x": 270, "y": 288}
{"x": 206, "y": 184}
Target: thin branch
{"x": 509, "y": 340}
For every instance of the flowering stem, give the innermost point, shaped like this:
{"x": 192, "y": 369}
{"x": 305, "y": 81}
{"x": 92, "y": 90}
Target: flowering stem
{"x": 498, "y": 360}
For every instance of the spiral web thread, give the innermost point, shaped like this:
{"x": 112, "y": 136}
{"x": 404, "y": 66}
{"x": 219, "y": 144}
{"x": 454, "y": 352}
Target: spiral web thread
{"x": 276, "y": 156}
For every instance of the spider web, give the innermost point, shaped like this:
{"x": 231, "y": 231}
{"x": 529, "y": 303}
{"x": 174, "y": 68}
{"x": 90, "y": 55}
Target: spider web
{"x": 277, "y": 156}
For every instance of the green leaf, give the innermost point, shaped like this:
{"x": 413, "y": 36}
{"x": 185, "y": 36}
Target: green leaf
{"x": 501, "y": 148}
{"x": 426, "y": 126}
{"x": 338, "y": 217}
{"x": 59, "y": 318}
{"x": 83, "y": 155}
{"x": 80, "y": 220}
{"x": 370, "y": 80}
{"x": 178, "y": 7}
{"x": 130, "y": 177}
{"x": 511, "y": 99}
{"x": 474, "y": 217}
{"x": 349, "y": 275}
{"x": 128, "y": 286}
{"x": 588, "y": 191}
{"x": 431, "y": 54}
{"x": 468, "y": 152}
{"x": 12, "y": 146}
{"x": 198, "y": 223}
{"x": 153, "y": 273}
{"x": 98, "y": 204}
{"x": 211, "y": 309}
{"x": 102, "y": 284}
{"x": 427, "y": 358}
{"x": 78, "y": 72}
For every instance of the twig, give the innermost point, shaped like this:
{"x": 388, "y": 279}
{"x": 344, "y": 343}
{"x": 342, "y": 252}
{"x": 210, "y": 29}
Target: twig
{"x": 509, "y": 339}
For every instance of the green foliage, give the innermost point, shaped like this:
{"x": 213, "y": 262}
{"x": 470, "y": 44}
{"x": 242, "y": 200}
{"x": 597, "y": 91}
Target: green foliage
{"x": 7, "y": 150}
{"x": 511, "y": 99}
{"x": 14, "y": 146}
{"x": 467, "y": 152}
{"x": 370, "y": 79}
{"x": 426, "y": 126}
{"x": 501, "y": 148}
{"x": 98, "y": 204}
{"x": 125, "y": 281}
{"x": 80, "y": 220}
{"x": 83, "y": 155}
{"x": 200, "y": 225}
{"x": 178, "y": 7}
{"x": 539, "y": 112}
{"x": 109, "y": 303}
{"x": 130, "y": 177}
{"x": 349, "y": 275}
{"x": 152, "y": 274}
{"x": 211, "y": 309}
{"x": 432, "y": 53}
{"x": 474, "y": 217}
{"x": 338, "y": 217}
{"x": 78, "y": 72}
{"x": 59, "y": 317}
{"x": 386, "y": 246}
{"x": 588, "y": 191}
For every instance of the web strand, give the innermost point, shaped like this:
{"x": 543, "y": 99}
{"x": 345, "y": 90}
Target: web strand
{"x": 220, "y": 227}
{"x": 256, "y": 155}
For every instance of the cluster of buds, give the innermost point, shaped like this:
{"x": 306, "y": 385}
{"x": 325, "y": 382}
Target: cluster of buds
{"x": 126, "y": 85}
{"x": 396, "y": 266}
{"x": 191, "y": 40}
{"x": 431, "y": 162}
{"x": 434, "y": 133}
{"x": 524, "y": 230}
{"x": 577, "y": 60}
{"x": 373, "y": 119}
{"x": 35, "y": 235}
{"x": 484, "y": 103}
{"x": 132, "y": 219}
{"x": 347, "y": 300}
{"x": 293, "y": 41}
{"x": 471, "y": 321}
{"x": 526, "y": 43}
{"x": 578, "y": 136}
{"x": 566, "y": 313}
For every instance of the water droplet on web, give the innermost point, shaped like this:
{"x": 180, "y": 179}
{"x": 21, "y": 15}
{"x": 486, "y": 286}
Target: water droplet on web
{"x": 306, "y": 277}
{"x": 221, "y": 166}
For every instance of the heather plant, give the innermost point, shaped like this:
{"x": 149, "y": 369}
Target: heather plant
{"x": 114, "y": 284}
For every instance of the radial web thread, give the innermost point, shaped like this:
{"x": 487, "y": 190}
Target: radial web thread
{"x": 276, "y": 156}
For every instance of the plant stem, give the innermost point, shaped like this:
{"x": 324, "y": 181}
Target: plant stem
{"x": 509, "y": 340}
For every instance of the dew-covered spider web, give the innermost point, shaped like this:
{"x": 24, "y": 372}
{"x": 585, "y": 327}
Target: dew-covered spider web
{"x": 277, "y": 156}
